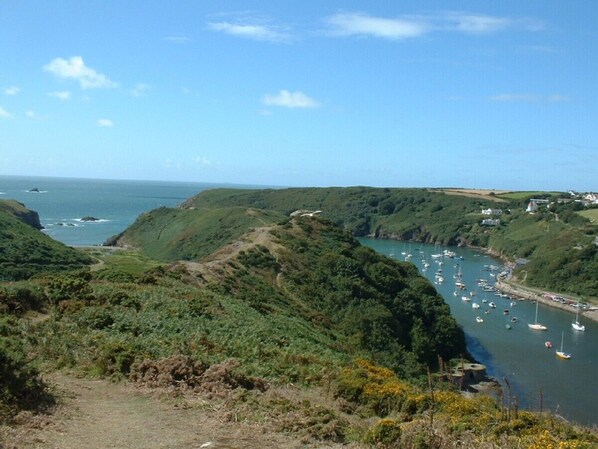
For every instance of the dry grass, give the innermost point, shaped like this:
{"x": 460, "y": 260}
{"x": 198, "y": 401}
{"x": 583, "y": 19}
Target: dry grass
{"x": 476, "y": 193}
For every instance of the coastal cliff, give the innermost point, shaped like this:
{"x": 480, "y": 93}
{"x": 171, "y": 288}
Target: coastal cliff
{"x": 20, "y": 211}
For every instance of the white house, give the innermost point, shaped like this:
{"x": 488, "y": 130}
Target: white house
{"x": 532, "y": 207}
{"x": 491, "y": 222}
{"x": 592, "y": 198}
{"x": 490, "y": 211}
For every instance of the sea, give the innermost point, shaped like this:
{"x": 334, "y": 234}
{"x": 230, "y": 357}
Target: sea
{"x": 538, "y": 379}
{"x": 62, "y": 202}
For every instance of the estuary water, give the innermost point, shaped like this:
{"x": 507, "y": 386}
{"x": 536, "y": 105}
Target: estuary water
{"x": 567, "y": 387}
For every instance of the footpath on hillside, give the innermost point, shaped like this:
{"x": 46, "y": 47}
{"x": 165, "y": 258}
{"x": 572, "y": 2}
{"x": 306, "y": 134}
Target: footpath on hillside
{"x": 97, "y": 414}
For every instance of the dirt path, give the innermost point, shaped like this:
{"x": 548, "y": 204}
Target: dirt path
{"x": 96, "y": 414}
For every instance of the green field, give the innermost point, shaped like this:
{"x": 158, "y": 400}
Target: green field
{"x": 590, "y": 214}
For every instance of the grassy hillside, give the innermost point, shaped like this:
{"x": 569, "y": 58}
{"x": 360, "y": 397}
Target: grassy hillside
{"x": 189, "y": 234}
{"x": 25, "y": 251}
{"x": 305, "y": 280}
{"x": 406, "y": 214}
{"x": 559, "y": 243}
{"x": 299, "y": 302}
{"x": 290, "y": 303}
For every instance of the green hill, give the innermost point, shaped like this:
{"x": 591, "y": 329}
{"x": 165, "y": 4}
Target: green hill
{"x": 304, "y": 290}
{"x": 405, "y": 214}
{"x": 25, "y": 251}
{"x": 168, "y": 234}
{"x": 560, "y": 243}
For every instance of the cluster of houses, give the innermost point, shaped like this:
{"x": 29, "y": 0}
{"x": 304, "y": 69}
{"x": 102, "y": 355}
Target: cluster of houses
{"x": 587, "y": 199}
{"x": 492, "y": 213}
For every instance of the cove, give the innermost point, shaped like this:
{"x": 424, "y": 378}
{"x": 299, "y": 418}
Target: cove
{"x": 537, "y": 377}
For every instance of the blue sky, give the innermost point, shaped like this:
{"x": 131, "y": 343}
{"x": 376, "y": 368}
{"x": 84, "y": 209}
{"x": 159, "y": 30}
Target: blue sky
{"x": 500, "y": 95}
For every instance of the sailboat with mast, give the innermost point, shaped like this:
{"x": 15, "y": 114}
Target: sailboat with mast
{"x": 576, "y": 324}
{"x": 537, "y": 326}
{"x": 562, "y": 354}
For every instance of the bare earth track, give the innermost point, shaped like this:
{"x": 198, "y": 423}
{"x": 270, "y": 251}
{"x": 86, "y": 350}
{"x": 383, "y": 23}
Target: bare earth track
{"x": 97, "y": 414}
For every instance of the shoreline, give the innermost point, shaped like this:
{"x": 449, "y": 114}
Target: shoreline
{"x": 526, "y": 293}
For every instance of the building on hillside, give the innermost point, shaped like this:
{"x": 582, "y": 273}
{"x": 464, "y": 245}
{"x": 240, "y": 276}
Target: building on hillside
{"x": 305, "y": 213}
{"x": 591, "y": 198}
{"x": 491, "y": 222}
{"x": 532, "y": 207}
{"x": 490, "y": 211}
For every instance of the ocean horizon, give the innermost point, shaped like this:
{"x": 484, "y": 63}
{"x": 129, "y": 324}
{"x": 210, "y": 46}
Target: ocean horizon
{"x": 62, "y": 202}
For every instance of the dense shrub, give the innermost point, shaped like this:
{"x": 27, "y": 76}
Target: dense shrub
{"x": 20, "y": 384}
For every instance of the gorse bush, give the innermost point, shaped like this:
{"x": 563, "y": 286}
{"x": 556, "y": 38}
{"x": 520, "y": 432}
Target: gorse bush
{"x": 401, "y": 404}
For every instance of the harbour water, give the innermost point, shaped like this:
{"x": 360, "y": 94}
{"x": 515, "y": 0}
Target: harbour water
{"x": 566, "y": 387}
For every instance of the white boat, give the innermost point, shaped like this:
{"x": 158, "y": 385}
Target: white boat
{"x": 492, "y": 304}
{"x": 561, "y": 353}
{"x": 465, "y": 298}
{"x": 475, "y": 305}
{"x": 576, "y": 324}
{"x": 479, "y": 319}
{"x": 537, "y": 326}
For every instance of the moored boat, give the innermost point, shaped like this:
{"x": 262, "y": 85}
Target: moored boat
{"x": 576, "y": 324}
{"x": 537, "y": 326}
{"x": 562, "y": 354}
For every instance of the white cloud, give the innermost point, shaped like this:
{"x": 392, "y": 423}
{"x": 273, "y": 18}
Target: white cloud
{"x": 75, "y": 68}
{"x": 12, "y": 90}
{"x": 4, "y": 113}
{"x": 349, "y": 24}
{"x": 477, "y": 23}
{"x": 140, "y": 89}
{"x": 412, "y": 26}
{"x": 178, "y": 39}
{"x": 290, "y": 100}
{"x": 251, "y": 31}
{"x": 105, "y": 123}
{"x": 529, "y": 98}
{"x": 63, "y": 95}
